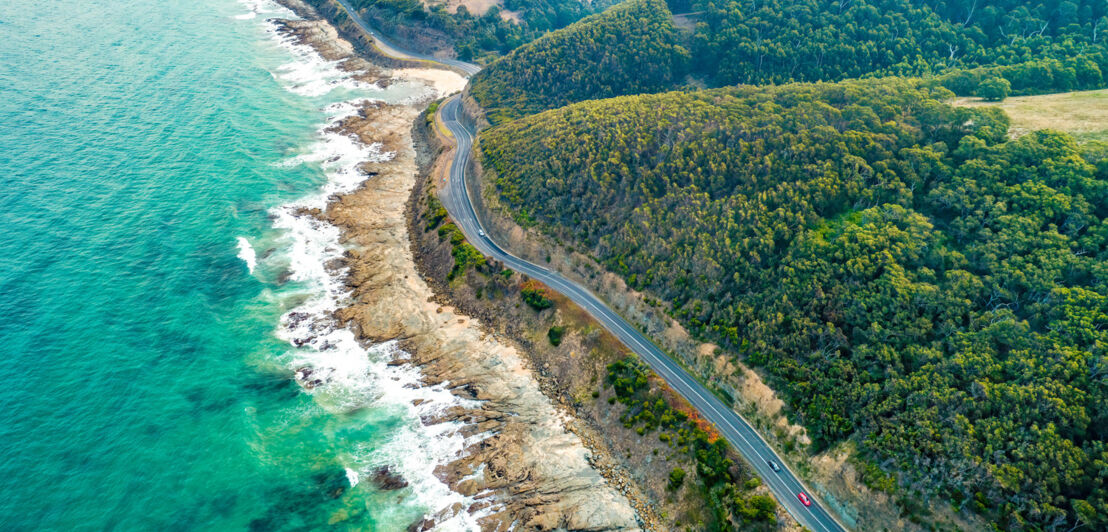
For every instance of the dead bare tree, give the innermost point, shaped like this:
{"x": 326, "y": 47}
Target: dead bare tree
{"x": 1058, "y": 520}
{"x": 1097, "y": 368}
{"x": 970, "y": 15}
{"x": 1041, "y": 29}
{"x": 795, "y": 56}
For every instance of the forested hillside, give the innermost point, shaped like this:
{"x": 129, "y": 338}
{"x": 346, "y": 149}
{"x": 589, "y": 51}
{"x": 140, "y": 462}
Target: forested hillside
{"x": 1052, "y": 45}
{"x": 969, "y": 46}
{"x": 910, "y": 279}
{"x": 630, "y": 48}
{"x": 475, "y": 34}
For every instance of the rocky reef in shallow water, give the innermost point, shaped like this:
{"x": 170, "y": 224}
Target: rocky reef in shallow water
{"x": 520, "y": 468}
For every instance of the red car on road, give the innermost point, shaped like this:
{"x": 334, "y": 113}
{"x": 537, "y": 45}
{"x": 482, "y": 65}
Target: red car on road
{"x": 804, "y": 499}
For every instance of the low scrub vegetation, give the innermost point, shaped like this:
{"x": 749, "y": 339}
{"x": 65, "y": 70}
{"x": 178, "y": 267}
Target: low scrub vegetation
{"x": 534, "y": 294}
{"x": 725, "y": 486}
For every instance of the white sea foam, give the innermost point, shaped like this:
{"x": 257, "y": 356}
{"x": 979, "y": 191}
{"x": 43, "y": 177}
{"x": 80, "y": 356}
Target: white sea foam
{"x": 247, "y": 254}
{"x": 352, "y": 477}
{"x": 267, "y": 8}
{"x": 344, "y": 376}
{"x": 339, "y": 155}
{"x": 309, "y": 74}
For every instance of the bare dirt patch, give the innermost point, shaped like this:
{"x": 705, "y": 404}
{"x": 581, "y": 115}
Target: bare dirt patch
{"x": 687, "y": 21}
{"x": 445, "y": 81}
{"x": 475, "y": 7}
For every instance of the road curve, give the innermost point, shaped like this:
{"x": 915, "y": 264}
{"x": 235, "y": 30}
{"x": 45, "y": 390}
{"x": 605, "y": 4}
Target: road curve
{"x": 784, "y": 484}
{"x": 732, "y": 426}
{"x": 392, "y": 50}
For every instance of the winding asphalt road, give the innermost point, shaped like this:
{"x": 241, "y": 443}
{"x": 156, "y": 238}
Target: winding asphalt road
{"x": 784, "y": 484}
{"x": 392, "y": 50}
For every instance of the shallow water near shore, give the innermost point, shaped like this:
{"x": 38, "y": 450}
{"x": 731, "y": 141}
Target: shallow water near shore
{"x": 154, "y": 270}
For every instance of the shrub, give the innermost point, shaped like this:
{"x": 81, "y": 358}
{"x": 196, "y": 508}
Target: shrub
{"x": 676, "y": 478}
{"x": 437, "y": 213}
{"x": 555, "y": 335}
{"x": 465, "y": 256}
{"x": 535, "y": 295}
{"x": 994, "y": 89}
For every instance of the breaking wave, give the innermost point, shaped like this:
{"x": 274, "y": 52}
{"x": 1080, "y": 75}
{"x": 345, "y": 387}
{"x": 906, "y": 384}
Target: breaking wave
{"x": 343, "y": 375}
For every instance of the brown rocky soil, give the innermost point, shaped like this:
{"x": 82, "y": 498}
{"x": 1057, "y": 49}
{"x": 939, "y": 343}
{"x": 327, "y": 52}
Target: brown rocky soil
{"x": 523, "y": 469}
{"x": 532, "y": 470}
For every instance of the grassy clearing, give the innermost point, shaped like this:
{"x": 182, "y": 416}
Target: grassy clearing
{"x": 1082, "y": 114}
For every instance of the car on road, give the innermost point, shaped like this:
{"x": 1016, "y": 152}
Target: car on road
{"x": 480, "y": 232}
{"x": 804, "y": 499}
{"x": 774, "y": 466}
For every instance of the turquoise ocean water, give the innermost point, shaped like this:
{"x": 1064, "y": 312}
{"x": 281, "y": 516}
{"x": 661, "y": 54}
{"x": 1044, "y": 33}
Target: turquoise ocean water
{"x": 153, "y": 272}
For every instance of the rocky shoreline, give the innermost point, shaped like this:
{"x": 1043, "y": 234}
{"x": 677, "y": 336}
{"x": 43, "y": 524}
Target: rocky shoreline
{"x": 522, "y": 468}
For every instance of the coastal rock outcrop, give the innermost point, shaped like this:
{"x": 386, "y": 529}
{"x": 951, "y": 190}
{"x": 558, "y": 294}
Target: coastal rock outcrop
{"x": 384, "y": 478}
{"x": 534, "y": 472}
{"x": 521, "y": 468}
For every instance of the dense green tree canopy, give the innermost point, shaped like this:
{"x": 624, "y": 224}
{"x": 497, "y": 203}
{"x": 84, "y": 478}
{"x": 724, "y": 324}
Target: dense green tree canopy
{"x": 809, "y": 40}
{"x": 628, "y": 49}
{"x": 910, "y": 278}
{"x": 473, "y": 35}
{"x": 635, "y": 48}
